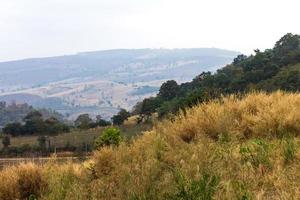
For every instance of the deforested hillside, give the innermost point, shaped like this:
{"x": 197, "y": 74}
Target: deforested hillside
{"x": 235, "y": 147}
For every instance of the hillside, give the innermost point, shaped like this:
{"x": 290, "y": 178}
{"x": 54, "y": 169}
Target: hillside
{"x": 102, "y": 81}
{"x": 270, "y": 70}
{"x": 232, "y": 148}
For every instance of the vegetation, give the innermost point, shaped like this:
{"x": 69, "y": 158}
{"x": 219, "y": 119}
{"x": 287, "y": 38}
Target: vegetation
{"x": 119, "y": 118}
{"x": 227, "y": 141}
{"x": 231, "y": 148}
{"x": 76, "y": 141}
{"x": 14, "y": 112}
{"x": 34, "y": 123}
{"x": 5, "y": 141}
{"x": 84, "y": 122}
{"x": 273, "y": 69}
{"x": 109, "y": 136}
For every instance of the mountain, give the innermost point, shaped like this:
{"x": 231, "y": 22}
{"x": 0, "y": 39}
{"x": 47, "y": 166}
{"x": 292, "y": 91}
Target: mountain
{"x": 103, "y": 81}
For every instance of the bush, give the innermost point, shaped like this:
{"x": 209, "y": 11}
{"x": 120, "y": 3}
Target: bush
{"x": 109, "y": 136}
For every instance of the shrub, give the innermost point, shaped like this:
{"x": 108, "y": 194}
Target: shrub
{"x": 109, "y": 136}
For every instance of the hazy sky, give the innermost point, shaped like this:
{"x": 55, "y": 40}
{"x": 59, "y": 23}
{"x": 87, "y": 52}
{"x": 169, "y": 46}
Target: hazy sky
{"x": 36, "y": 28}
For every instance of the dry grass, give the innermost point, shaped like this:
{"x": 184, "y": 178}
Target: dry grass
{"x": 228, "y": 149}
{"x": 21, "y": 182}
{"x": 256, "y": 115}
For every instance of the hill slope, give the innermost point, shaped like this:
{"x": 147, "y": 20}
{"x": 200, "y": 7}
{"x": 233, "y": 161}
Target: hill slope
{"x": 270, "y": 70}
{"x": 103, "y": 81}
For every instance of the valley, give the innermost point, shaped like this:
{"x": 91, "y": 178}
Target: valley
{"x": 102, "y": 82}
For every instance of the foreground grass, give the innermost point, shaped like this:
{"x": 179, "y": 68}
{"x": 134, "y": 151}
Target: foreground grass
{"x": 228, "y": 149}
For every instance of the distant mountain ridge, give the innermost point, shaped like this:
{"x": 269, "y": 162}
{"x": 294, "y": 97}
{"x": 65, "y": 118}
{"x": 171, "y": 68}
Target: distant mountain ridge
{"x": 103, "y": 81}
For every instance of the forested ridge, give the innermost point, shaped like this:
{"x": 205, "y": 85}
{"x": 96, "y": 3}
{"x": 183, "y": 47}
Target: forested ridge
{"x": 274, "y": 69}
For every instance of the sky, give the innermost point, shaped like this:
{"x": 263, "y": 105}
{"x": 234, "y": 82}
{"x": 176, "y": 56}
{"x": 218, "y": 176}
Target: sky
{"x": 41, "y": 28}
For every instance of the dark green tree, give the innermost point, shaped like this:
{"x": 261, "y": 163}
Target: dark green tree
{"x": 13, "y": 129}
{"x": 119, "y": 118}
{"x": 168, "y": 90}
{"x": 101, "y": 122}
{"x": 42, "y": 142}
{"x": 34, "y": 123}
{"x": 6, "y": 141}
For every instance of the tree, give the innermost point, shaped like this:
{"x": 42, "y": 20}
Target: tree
{"x": 33, "y": 115}
{"x": 149, "y": 106}
{"x": 83, "y": 121}
{"x": 101, "y": 122}
{"x": 6, "y": 141}
{"x": 168, "y": 90}
{"x": 13, "y": 129}
{"x": 240, "y": 58}
{"x": 98, "y": 118}
{"x": 119, "y": 118}
{"x": 54, "y": 126}
{"x": 41, "y": 142}
{"x": 287, "y": 49}
{"x": 34, "y": 123}
{"x": 109, "y": 136}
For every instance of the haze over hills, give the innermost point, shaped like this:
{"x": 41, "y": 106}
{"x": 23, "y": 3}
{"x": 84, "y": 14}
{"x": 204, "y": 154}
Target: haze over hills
{"x": 101, "y": 82}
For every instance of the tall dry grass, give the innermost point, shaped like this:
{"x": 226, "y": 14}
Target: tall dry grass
{"x": 256, "y": 115}
{"x": 21, "y": 182}
{"x": 233, "y": 148}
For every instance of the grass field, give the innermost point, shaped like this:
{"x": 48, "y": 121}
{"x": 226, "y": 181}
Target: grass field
{"x": 75, "y": 137}
{"x": 78, "y": 137}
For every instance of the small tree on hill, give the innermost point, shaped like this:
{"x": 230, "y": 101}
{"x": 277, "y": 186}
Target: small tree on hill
{"x": 101, "y": 122}
{"x": 119, "y": 118}
{"x": 110, "y": 136}
{"x": 34, "y": 123}
{"x": 83, "y": 121}
{"x": 6, "y": 141}
{"x": 13, "y": 129}
{"x": 42, "y": 142}
{"x": 168, "y": 90}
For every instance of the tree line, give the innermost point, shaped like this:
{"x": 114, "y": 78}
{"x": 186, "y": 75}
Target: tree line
{"x": 35, "y": 123}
